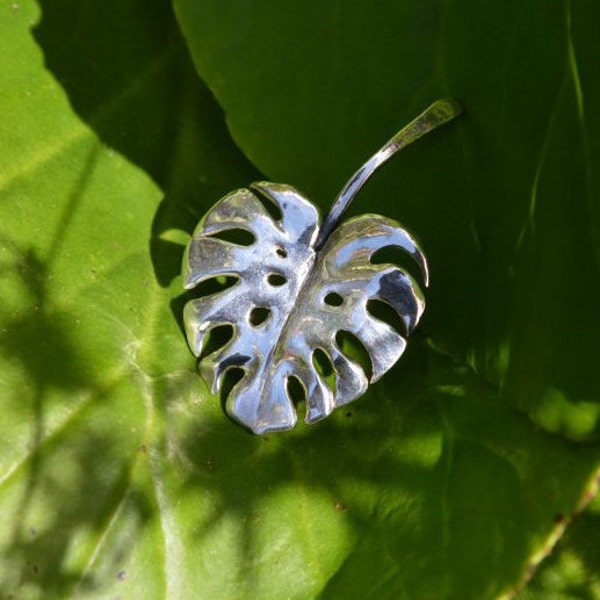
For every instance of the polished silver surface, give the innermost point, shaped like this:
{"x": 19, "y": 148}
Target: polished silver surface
{"x": 296, "y": 290}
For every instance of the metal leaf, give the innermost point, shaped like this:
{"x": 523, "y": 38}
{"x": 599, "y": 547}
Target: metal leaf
{"x": 307, "y": 285}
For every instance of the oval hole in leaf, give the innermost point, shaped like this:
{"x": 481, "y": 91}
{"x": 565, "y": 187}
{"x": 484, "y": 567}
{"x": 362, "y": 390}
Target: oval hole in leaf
{"x": 276, "y": 279}
{"x": 333, "y": 299}
{"x": 322, "y": 362}
{"x": 295, "y": 390}
{"x": 214, "y": 285}
{"x": 230, "y": 378}
{"x": 324, "y": 367}
{"x": 281, "y": 252}
{"x": 241, "y": 237}
{"x": 259, "y": 315}
{"x": 353, "y": 348}
{"x": 393, "y": 255}
{"x": 384, "y": 312}
{"x": 271, "y": 207}
{"x": 216, "y": 338}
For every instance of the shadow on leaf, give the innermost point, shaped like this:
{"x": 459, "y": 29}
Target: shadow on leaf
{"x": 427, "y": 484}
{"x": 145, "y": 100}
{"x": 44, "y": 484}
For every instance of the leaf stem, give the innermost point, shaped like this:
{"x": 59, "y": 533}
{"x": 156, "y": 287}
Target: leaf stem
{"x": 431, "y": 118}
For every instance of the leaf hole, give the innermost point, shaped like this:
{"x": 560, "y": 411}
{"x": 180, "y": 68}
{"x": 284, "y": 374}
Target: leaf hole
{"x": 276, "y": 279}
{"x": 230, "y": 378}
{"x": 240, "y": 237}
{"x": 270, "y": 205}
{"x": 384, "y": 312}
{"x": 259, "y": 315}
{"x": 281, "y": 251}
{"x": 394, "y": 255}
{"x": 295, "y": 389}
{"x": 324, "y": 367}
{"x": 333, "y": 299}
{"x": 322, "y": 362}
{"x": 215, "y": 339}
{"x": 353, "y": 348}
{"x": 214, "y": 285}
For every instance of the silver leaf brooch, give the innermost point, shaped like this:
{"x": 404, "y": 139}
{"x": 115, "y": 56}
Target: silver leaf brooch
{"x": 298, "y": 286}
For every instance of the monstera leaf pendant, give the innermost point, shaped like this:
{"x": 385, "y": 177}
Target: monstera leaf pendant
{"x": 299, "y": 285}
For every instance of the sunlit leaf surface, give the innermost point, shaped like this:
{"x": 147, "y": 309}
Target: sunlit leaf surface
{"x": 120, "y": 476}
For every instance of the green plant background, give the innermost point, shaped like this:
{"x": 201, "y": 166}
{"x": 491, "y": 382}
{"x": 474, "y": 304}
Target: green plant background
{"x": 454, "y": 476}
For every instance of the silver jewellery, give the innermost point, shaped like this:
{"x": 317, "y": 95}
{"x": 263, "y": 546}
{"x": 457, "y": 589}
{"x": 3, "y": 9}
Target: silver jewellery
{"x": 300, "y": 285}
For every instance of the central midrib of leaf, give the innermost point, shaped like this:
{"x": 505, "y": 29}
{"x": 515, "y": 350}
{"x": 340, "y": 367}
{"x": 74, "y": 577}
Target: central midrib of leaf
{"x": 304, "y": 284}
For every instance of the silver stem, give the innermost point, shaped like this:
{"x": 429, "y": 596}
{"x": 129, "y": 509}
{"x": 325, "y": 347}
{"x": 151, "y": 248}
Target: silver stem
{"x": 437, "y": 114}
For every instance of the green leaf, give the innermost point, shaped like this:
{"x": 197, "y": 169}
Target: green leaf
{"x": 571, "y": 572}
{"x": 120, "y": 476}
{"x": 506, "y": 201}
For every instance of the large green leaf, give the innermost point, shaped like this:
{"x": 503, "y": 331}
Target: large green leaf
{"x": 119, "y": 474}
{"x": 86, "y": 240}
{"x": 507, "y": 203}
{"x": 571, "y": 572}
